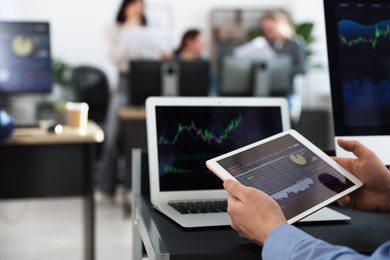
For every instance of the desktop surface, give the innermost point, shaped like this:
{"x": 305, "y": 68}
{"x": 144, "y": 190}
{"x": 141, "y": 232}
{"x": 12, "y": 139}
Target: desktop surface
{"x": 364, "y": 233}
{"x": 38, "y": 164}
{"x": 198, "y": 243}
{"x": 162, "y": 237}
{"x": 41, "y": 136}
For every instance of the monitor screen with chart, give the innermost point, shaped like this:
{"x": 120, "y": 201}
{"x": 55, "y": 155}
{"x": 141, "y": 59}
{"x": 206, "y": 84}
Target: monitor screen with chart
{"x": 25, "y": 63}
{"x": 358, "y": 38}
{"x": 188, "y": 136}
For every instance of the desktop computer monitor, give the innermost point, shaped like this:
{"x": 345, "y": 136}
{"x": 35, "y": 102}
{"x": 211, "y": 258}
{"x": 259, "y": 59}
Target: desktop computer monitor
{"x": 145, "y": 81}
{"x": 236, "y": 77}
{"x": 194, "y": 78}
{"x": 358, "y": 38}
{"x": 273, "y": 77}
{"x": 255, "y": 77}
{"x": 25, "y": 57}
{"x": 171, "y": 78}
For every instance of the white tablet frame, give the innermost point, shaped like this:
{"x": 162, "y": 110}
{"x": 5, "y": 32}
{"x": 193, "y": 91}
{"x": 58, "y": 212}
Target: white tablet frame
{"x": 216, "y": 168}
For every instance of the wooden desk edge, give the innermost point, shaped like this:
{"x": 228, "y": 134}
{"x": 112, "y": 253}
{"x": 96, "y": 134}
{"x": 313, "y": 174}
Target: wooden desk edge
{"x": 129, "y": 113}
{"x": 34, "y": 136}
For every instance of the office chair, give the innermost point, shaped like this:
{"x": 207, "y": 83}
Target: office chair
{"x": 90, "y": 85}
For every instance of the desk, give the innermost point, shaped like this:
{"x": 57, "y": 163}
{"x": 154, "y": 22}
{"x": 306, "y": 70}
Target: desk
{"x": 164, "y": 239}
{"x": 34, "y": 163}
{"x": 133, "y": 123}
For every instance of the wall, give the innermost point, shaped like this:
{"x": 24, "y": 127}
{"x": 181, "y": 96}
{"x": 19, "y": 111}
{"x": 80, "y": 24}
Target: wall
{"x": 78, "y": 25}
{"x": 78, "y": 30}
{"x": 188, "y": 14}
{"x": 316, "y": 87}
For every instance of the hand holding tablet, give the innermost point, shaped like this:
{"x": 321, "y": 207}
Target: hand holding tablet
{"x": 294, "y": 172}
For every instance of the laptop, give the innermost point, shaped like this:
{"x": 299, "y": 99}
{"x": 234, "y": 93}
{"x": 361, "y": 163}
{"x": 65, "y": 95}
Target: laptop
{"x": 184, "y": 132}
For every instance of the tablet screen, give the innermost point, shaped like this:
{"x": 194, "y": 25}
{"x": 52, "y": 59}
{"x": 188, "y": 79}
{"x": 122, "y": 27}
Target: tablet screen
{"x": 290, "y": 173}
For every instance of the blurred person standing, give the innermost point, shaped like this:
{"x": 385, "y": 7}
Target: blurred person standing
{"x": 279, "y": 32}
{"x": 122, "y": 48}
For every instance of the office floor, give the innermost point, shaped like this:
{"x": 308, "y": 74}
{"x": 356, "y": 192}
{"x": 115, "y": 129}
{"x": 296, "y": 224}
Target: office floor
{"x": 52, "y": 229}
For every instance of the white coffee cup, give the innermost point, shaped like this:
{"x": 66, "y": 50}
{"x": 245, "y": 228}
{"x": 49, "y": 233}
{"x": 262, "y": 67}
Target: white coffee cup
{"x": 77, "y": 115}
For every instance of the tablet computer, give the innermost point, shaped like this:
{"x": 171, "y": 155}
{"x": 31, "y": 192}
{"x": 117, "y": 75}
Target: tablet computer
{"x": 289, "y": 168}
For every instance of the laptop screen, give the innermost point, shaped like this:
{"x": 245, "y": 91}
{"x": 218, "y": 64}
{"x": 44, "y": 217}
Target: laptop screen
{"x": 187, "y": 136}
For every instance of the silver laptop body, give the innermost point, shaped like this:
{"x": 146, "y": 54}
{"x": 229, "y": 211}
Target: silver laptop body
{"x": 183, "y": 132}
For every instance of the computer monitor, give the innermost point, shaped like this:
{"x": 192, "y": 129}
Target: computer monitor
{"x": 170, "y": 78}
{"x": 273, "y": 77}
{"x": 255, "y": 77}
{"x": 194, "y": 78}
{"x": 25, "y": 63}
{"x": 145, "y": 81}
{"x": 236, "y": 77}
{"x": 358, "y": 38}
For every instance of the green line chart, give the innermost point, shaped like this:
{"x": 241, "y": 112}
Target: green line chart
{"x": 352, "y": 33}
{"x": 216, "y": 134}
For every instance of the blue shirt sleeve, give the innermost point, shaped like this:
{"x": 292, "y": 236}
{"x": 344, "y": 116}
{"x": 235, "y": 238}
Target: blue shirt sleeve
{"x": 288, "y": 242}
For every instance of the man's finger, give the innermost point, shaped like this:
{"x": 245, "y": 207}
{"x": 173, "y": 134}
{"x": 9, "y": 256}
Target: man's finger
{"x": 234, "y": 188}
{"x": 353, "y": 146}
{"x": 345, "y": 201}
{"x": 345, "y": 162}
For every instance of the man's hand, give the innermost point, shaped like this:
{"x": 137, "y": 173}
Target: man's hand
{"x": 375, "y": 194}
{"x": 253, "y": 213}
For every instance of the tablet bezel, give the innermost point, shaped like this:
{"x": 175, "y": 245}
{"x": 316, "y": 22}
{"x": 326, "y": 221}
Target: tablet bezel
{"x": 216, "y": 168}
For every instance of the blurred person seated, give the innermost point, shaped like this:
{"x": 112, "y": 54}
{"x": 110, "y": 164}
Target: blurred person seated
{"x": 191, "y": 49}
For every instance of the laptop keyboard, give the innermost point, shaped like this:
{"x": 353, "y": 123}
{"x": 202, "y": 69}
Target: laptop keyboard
{"x": 200, "y": 207}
